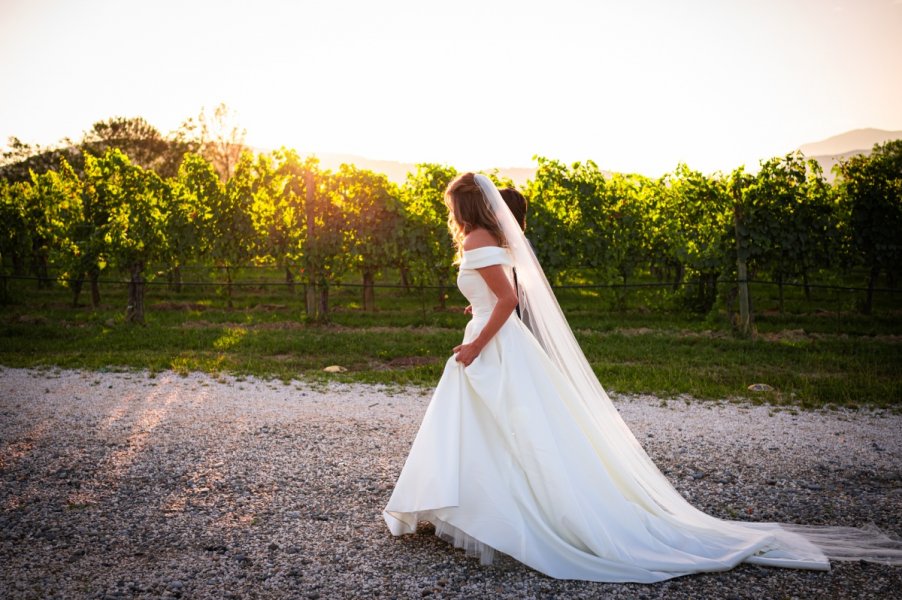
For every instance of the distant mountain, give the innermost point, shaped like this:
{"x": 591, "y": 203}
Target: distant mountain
{"x": 827, "y": 152}
{"x": 833, "y": 150}
{"x": 850, "y": 141}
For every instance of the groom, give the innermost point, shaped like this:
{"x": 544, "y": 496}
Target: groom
{"x": 516, "y": 203}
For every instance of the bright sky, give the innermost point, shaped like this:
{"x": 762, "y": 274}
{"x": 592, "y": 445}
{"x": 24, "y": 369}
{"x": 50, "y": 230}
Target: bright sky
{"x": 635, "y": 85}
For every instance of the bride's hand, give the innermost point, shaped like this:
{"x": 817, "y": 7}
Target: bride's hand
{"x": 468, "y": 310}
{"x": 467, "y": 353}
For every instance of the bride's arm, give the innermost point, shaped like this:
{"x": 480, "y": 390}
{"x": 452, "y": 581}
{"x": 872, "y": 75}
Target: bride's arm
{"x": 507, "y": 300}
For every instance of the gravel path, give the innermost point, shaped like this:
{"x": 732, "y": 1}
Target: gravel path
{"x": 116, "y": 485}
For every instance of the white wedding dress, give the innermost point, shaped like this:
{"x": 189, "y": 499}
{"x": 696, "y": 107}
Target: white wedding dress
{"x": 512, "y": 457}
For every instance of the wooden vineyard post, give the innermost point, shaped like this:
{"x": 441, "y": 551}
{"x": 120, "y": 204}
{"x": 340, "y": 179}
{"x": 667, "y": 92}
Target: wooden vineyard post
{"x": 311, "y": 274}
{"x": 745, "y": 319}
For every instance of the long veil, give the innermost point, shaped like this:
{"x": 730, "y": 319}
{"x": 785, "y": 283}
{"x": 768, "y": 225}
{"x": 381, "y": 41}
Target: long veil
{"x": 640, "y": 479}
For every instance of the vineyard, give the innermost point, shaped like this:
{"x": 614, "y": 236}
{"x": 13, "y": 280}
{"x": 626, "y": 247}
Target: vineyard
{"x": 216, "y": 234}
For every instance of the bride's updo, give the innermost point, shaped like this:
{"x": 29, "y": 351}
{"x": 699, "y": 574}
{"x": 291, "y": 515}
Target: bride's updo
{"x": 469, "y": 210}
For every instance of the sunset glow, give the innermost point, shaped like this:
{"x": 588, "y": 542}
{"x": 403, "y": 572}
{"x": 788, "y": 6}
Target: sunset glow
{"x": 635, "y": 86}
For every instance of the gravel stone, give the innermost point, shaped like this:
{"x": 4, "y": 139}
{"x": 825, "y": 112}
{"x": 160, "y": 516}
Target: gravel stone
{"x": 133, "y": 485}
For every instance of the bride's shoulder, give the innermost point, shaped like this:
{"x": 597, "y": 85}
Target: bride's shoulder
{"x": 479, "y": 238}
{"x": 481, "y": 249}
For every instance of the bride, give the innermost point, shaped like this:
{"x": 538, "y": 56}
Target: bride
{"x": 522, "y": 452}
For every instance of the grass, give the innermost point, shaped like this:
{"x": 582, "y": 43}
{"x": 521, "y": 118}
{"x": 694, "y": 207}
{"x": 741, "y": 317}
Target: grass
{"x": 819, "y": 353}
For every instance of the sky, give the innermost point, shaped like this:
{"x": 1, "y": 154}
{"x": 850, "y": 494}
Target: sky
{"x": 634, "y": 85}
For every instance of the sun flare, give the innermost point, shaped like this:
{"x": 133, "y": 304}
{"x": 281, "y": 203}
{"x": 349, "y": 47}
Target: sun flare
{"x": 635, "y": 88}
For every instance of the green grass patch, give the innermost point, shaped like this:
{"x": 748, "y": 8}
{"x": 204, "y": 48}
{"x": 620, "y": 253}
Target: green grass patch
{"x": 818, "y": 352}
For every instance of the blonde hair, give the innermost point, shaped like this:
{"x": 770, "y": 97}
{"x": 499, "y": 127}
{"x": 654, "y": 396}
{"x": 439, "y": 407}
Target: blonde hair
{"x": 469, "y": 210}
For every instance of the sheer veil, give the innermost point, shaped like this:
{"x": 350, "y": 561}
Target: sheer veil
{"x": 639, "y": 477}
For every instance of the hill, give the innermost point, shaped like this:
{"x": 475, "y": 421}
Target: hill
{"x": 850, "y": 142}
{"x": 829, "y": 152}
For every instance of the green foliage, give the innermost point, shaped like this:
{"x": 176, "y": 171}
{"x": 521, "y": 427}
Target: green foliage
{"x": 627, "y": 231}
{"x": 325, "y": 254}
{"x": 189, "y": 210}
{"x": 566, "y": 222}
{"x": 427, "y": 248}
{"x": 20, "y": 160}
{"x": 283, "y": 228}
{"x": 109, "y": 206}
{"x": 144, "y": 145}
{"x": 71, "y": 221}
{"x": 871, "y": 196}
{"x": 136, "y": 199}
{"x": 695, "y": 221}
{"x": 771, "y": 203}
{"x": 374, "y": 216}
{"x": 232, "y": 238}
{"x": 15, "y": 229}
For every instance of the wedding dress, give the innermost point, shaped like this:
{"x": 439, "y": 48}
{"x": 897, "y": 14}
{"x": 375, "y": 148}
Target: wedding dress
{"x": 522, "y": 452}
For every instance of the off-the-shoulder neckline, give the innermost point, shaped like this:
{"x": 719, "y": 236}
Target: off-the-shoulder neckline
{"x": 486, "y": 248}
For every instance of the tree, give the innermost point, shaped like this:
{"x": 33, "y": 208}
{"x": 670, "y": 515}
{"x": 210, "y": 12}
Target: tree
{"x": 821, "y": 234}
{"x": 135, "y": 234}
{"x": 233, "y": 237}
{"x": 267, "y": 189}
{"x": 325, "y": 252}
{"x": 871, "y": 188}
{"x": 773, "y": 221}
{"x": 101, "y": 192}
{"x": 118, "y": 221}
{"x": 56, "y": 218}
{"x": 304, "y": 228}
{"x": 284, "y": 229}
{"x": 188, "y": 213}
{"x": 624, "y": 232}
{"x": 737, "y": 184}
{"x": 697, "y": 219}
{"x": 429, "y": 249}
{"x": 15, "y": 232}
{"x": 566, "y": 221}
{"x": 222, "y": 139}
{"x": 20, "y": 159}
{"x": 54, "y": 211}
{"x": 180, "y": 142}
{"x": 374, "y": 218}
{"x": 144, "y": 145}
